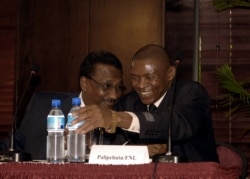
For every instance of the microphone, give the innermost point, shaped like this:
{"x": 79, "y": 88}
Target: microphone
{"x": 169, "y": 157}
{"x": 32, "y": 82}
{"x": 12, "y": 155}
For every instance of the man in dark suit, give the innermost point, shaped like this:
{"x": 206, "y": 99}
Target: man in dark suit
{"x": 100, "y": 78}
{"x": 151, "y": 78}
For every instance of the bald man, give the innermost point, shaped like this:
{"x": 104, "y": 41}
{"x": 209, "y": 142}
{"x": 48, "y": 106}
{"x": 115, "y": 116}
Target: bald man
{"x": 151, "y": 79}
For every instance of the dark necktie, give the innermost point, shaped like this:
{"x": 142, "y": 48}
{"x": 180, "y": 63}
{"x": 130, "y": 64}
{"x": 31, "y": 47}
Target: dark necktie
{"x": 151, "y": 108}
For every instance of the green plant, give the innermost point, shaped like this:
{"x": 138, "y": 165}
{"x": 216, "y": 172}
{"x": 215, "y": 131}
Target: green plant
{"x": 221, "y": 5}
{"x": 236, "y": 97}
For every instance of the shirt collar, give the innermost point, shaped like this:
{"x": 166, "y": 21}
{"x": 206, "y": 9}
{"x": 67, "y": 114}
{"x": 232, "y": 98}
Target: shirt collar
{"x": 158, "y": 102}
{"x": 82, "y": 102}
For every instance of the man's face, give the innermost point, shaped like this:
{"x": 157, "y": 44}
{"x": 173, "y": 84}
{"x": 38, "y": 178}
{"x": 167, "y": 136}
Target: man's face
{"x": 150, "y": 79}
{"x": 103, "y": 88}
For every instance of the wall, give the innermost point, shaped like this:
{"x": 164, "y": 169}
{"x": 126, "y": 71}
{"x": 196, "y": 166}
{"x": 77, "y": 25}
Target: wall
{"x": 57, "y": 35}
{"x": 8, "y": 30}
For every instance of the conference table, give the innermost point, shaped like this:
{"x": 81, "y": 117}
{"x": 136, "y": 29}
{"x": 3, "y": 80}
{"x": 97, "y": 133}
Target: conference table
{"x": 39, "y": 170}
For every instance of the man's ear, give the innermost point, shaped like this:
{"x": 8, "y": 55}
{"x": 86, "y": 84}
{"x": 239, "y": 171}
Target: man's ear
{"x": 171, "y": 73}
{"x": 83, "y": 83}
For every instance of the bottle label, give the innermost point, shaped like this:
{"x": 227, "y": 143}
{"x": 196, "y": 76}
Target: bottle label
{"x": 55, "y": 122}
{"x": 69, "y": 123}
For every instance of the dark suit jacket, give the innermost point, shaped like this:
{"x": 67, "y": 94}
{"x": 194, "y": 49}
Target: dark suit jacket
{"x": 192, "y": 132}
{"x": 30, "y": 137}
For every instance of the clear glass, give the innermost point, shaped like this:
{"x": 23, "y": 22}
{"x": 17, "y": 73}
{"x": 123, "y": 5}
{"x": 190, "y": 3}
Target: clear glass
{"x": 55, "y": 147}
{"x": 75, "y": 106}
{"x": 70, "y": 118}
{"x": 55, "y": 139}
{"x": 76, "y": 147}
{"x": 55, "y": 119}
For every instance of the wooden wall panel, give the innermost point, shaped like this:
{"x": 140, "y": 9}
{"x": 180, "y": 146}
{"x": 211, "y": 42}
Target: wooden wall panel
{"x": 228, "y": 30}
{"x": 53, "y": 34}
{"x": 179, "y": 34}
{"x": 58, "y": 34}
{"x": 8, "y": 27}
{"x": 122, "y": 27}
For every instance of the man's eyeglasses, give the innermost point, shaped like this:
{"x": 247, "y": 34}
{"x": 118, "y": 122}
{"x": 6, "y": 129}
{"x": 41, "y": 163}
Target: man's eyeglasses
{"x": 107, "y": 86}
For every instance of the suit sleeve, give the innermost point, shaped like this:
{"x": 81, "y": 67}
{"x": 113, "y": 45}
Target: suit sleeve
{"x": 190, "y": 113}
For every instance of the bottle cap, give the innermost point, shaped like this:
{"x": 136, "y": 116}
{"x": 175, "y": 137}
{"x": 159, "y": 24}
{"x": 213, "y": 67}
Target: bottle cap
{"x": 76, "y": 101}
{"x": 56, "y": 103}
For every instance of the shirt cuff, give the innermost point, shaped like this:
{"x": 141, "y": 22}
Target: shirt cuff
{"x": 135, "y": 124}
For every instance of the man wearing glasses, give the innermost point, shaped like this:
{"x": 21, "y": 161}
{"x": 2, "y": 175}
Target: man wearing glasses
{"x": 101, "y": 83}
{"x": 185, "y": 106}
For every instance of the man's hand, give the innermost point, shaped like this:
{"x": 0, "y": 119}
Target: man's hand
{"x": 156, "y": 149}
{"x": 93, "y": 116}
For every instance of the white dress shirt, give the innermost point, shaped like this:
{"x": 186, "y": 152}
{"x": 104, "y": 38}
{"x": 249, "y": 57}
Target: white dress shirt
{"x": 135, "y": 124}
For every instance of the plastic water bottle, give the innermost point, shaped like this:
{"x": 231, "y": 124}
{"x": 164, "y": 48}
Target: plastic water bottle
{"x": 55, "y": 137}
{"x": 75, "y": 142}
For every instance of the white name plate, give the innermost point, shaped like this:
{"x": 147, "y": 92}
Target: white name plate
{"x": 119, "y": 154}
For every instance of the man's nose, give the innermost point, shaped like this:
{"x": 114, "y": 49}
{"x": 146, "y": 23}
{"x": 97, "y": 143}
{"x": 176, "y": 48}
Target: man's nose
{"x": 142, "y": 83}
{"x": 114, "y": 94}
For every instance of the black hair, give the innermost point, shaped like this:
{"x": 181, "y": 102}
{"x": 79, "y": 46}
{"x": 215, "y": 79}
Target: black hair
{"x": 87, "y": 67}
{"x": 152, "y": 51}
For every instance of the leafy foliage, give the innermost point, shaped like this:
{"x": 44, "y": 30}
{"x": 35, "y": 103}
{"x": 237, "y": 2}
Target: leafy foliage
{"x": 221, "y": 5}
{"x": 236, "y": 97}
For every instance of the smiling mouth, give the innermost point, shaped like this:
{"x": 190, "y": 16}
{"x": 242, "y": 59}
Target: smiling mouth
{"x": 145, "y": 93}
{"x": 110, "y": 103}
